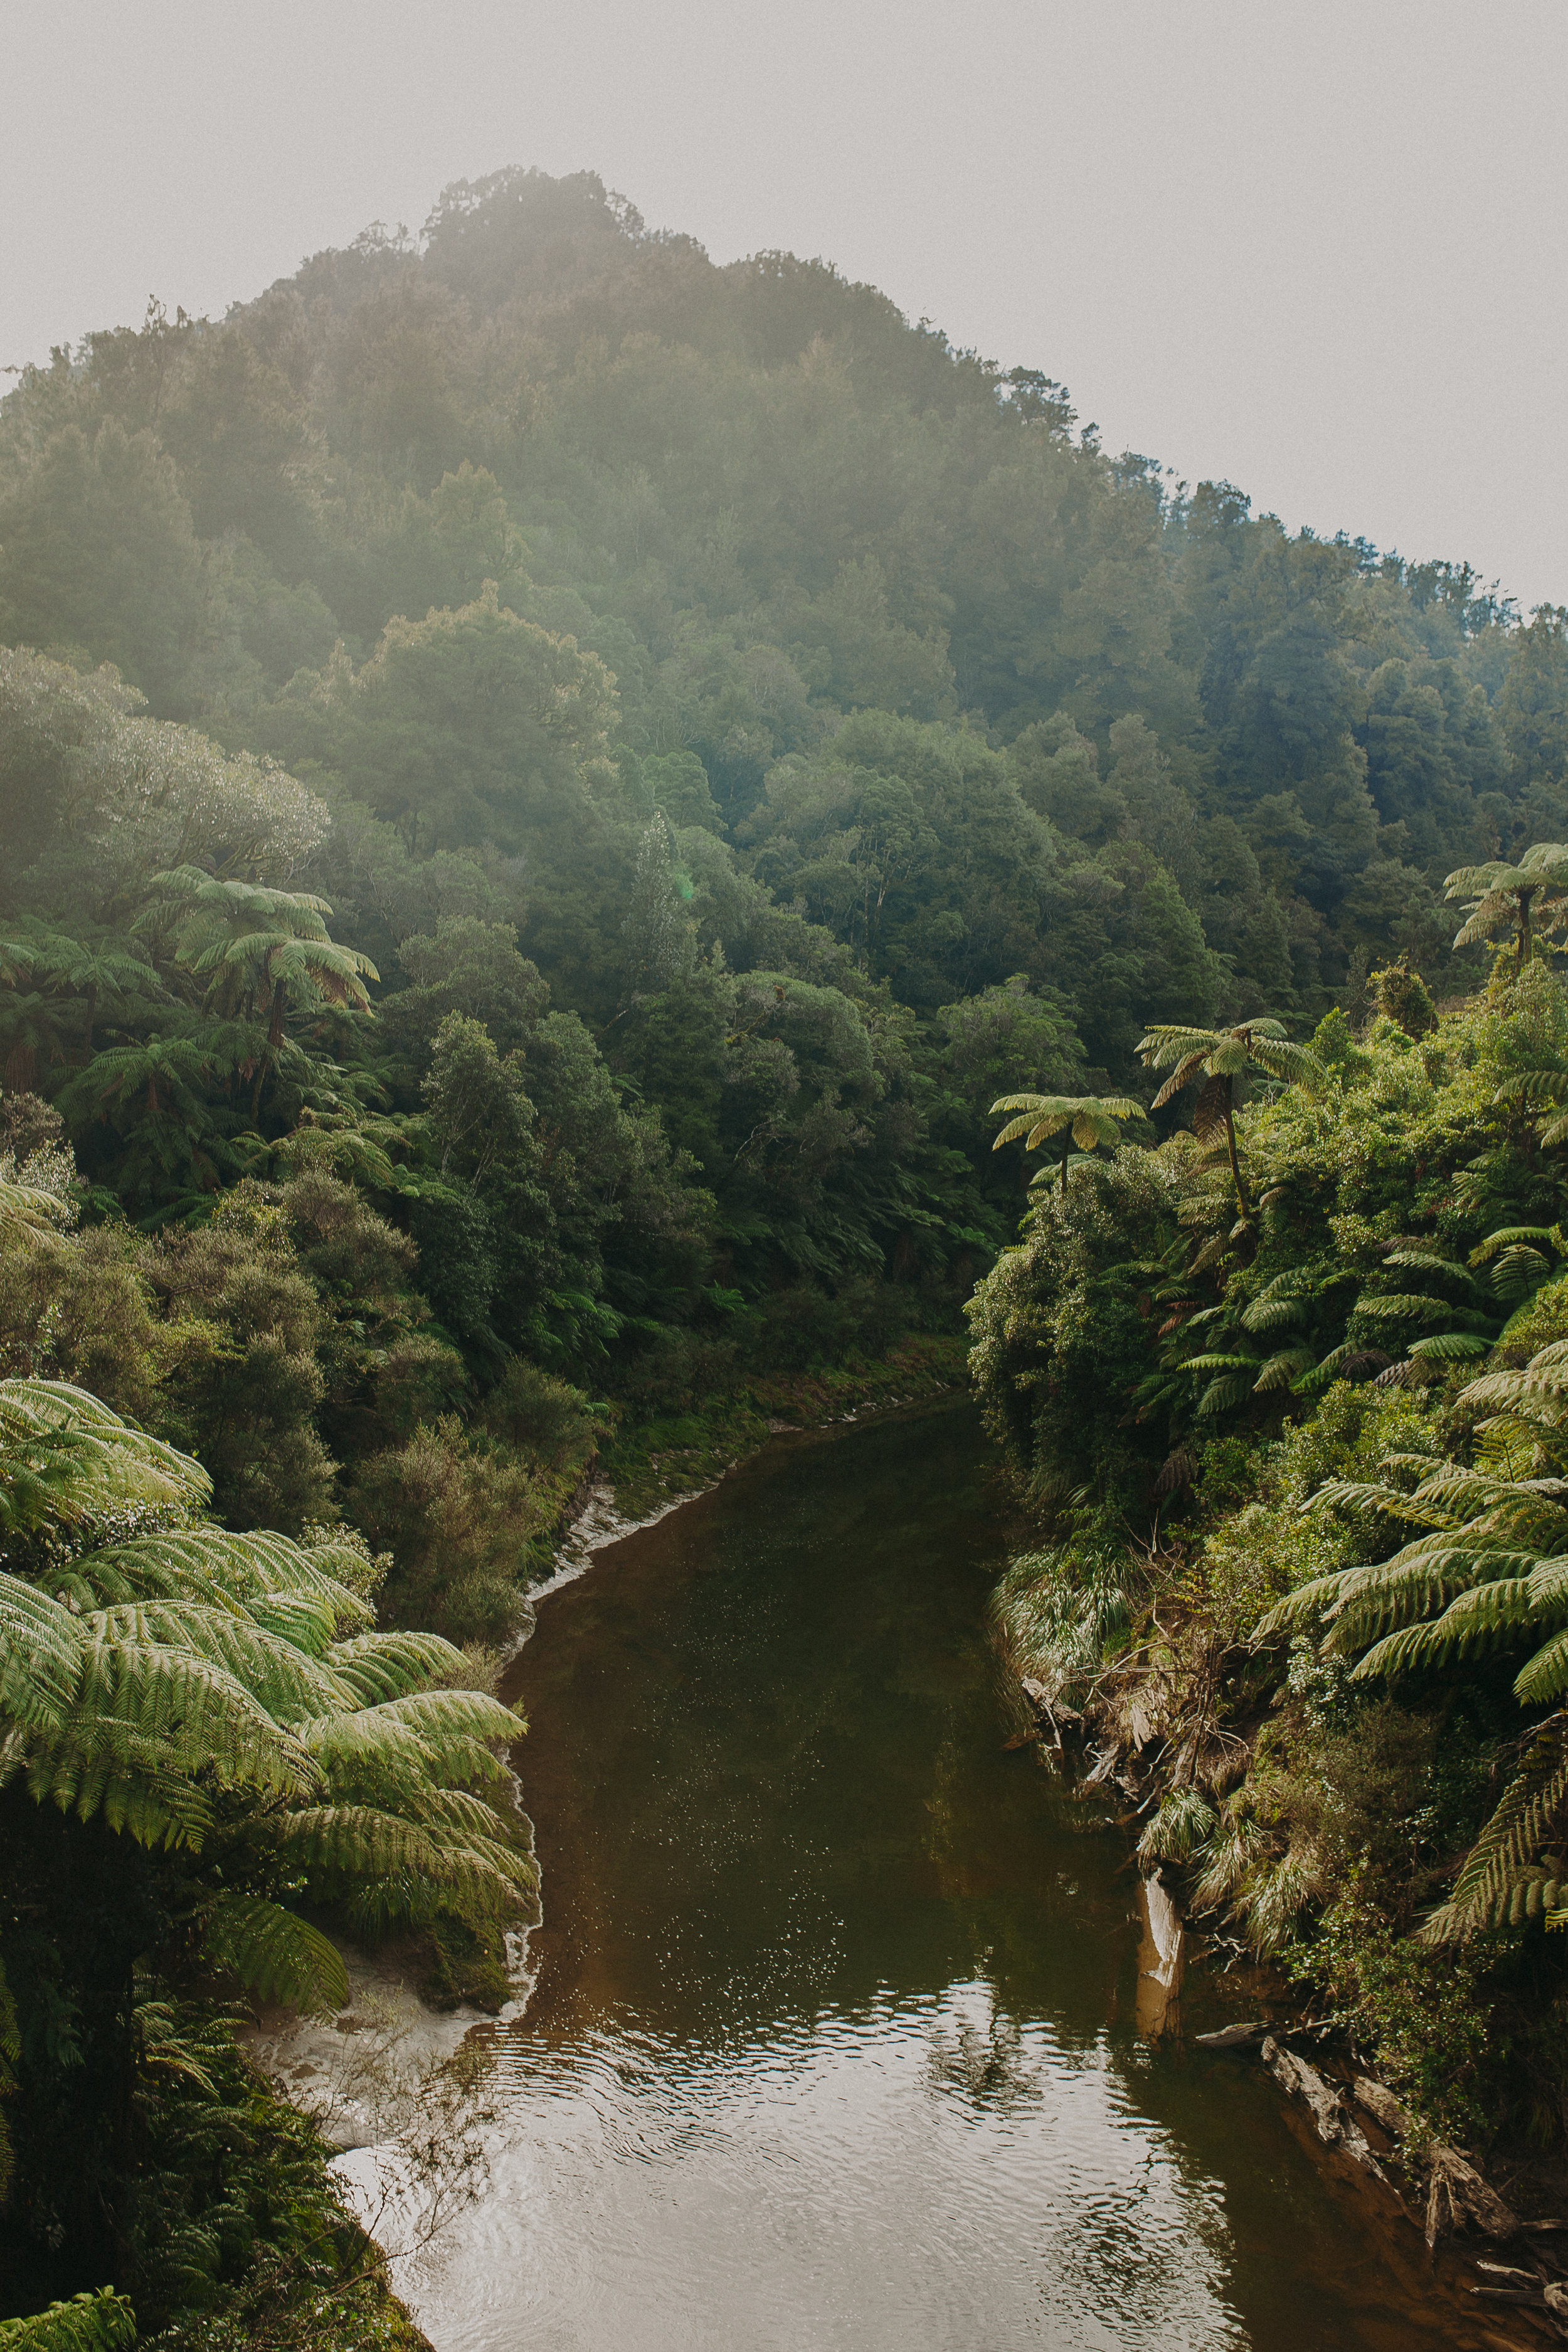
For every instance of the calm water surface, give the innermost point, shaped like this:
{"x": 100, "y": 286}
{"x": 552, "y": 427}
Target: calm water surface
{"x": 832, "y": 2040}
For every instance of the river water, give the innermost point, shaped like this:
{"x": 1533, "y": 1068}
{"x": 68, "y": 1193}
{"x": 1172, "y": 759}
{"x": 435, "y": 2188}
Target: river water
{"x": 832, "y": 2042}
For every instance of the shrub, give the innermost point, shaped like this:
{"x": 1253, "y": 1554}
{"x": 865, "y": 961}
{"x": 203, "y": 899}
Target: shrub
{"x": 537, "y": 1414}
{"x": 461, "y": 1519}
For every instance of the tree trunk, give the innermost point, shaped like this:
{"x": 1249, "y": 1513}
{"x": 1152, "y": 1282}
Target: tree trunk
{"x": 1067, "y": 1147}
{"x": 275, "y": 1029}
{"x": 1243, "y": 1207}
{"x": 1525, "y": 939}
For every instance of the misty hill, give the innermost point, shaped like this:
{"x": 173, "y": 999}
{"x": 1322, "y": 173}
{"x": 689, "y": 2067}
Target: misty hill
{"x": 766, "y": 500}
{"x": 816, "y": 731}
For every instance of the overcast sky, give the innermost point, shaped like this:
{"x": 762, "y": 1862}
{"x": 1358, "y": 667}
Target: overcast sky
{"x": 1317, "y": 249}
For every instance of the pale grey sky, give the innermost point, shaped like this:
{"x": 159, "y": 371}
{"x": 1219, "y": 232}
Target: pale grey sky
{"x": 1317, "y": 248}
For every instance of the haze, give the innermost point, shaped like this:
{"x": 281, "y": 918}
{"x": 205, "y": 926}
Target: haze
{"x": 1317, "y": 250}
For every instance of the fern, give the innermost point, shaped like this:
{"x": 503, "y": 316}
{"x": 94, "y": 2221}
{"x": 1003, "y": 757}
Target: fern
{"x": 288, "y": 1682}
{"x": 194, "y": 1688}
{"x": 275, "y": 1955}
{"x": 1486, "y": 1618}
{"x": 1496, "y": 1871}
{"x": 64, "y": 1455}
{"x": 1449, "y": 1347}
{"x": 103, "y": 2322}
{"x": 387, "y": 1666}
{"x": 40, "y": 1654}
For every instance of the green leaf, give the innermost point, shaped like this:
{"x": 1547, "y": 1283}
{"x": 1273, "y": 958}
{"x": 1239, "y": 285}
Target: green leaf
{"x": 275, "y": 1955}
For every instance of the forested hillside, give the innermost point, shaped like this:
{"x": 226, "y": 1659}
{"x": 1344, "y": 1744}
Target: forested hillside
{"x": 779, "y": 732}
{"x": 547, "y": 787}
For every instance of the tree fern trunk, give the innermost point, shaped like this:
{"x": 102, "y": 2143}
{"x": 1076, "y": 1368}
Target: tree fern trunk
{"x": 1243, "y": 1206}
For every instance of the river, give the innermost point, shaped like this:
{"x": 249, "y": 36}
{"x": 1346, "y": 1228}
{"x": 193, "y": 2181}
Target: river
{"x": 832, "y": 2045}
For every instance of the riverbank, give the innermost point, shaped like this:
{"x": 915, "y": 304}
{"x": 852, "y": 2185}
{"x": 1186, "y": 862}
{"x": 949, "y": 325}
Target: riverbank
{"x": 362, "y": 2074}
{"x": 1500, "y": 2227}
{"x": 834, "y": 2030}
{"x": 649, "y": 1464}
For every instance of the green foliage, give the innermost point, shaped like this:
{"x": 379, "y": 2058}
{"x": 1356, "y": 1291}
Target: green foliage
{"x": 559, "y": 783}
{"x": 1426, "y": 2016}
{"x": 87, "y": 2323}
{"x": 1083, "y": 1120}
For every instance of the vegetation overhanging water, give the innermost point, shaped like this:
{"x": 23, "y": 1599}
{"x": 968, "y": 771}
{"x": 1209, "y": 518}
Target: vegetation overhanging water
{"x": 832, "y": 2040}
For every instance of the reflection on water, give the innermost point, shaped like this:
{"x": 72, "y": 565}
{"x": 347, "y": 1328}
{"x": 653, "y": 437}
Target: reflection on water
{"x": 832, "y": 2041}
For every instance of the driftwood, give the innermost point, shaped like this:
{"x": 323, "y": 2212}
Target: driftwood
{"x": 1336, "y": 2126}
{"x": 1231, "y": 2037}
{"x": 1380, "y": 2102}
{"x": 1042, "y": 1702}
{"x": 1456, "y": 2194}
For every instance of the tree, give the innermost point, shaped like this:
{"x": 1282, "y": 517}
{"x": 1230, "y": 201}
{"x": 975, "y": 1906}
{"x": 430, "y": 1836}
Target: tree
{"x": 1225, "y": 1058}
{"x": 1532, "y": 897}
{"x": 224, "y": 1694}
{"x": 476, "y": 726}
{"x": 1084, "y": 1119}
{"x": 98, "y": 552}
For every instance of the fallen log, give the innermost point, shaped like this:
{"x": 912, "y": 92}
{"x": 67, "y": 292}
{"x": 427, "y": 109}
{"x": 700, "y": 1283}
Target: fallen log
{"x": 1231, "y": 2037}
{"x": 1456, "y": 2194}
{"x": 1336, "y": 2126}
{"x": 1379, "y": 2103}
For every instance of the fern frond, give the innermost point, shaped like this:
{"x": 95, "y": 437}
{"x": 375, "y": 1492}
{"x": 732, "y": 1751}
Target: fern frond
{"x": 275, "y": 1954}
{"x": 1375, "y": 1600}
{"x": 1272, "y": 1314}
{"x": 1449, "y": 1347}
{"x": 197, "y": 1710}
{"x": 41, "y": 1653}
{"x": 1223, "y": 1394}
{"x": 1403, "y": 1306}
{"x": 104, "y": 2322}
{"x": 1509, "y": 1237}
{"x": 1487, "y": 1617}
{"x": 1319, "y": 1375}
{"x": 1425, "y": 1262}
{"x": 105, "y": 1463}
{"x": 1303, "y": 1607}
{"x": 1501, "y": 1856}
{"x": 363, "y": 1842}
{"x": 1280, "y": 1371}
{"x": 285, "y": 1680}
{"x": 105, "y": 1769}
{"x": 1357, "y": 1494}
{"x": 1545, "y": 1676}
{"x": 385, "y": 1665}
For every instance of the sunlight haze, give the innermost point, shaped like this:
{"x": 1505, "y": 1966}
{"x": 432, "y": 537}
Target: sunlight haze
{"x": 1317, "y": 251}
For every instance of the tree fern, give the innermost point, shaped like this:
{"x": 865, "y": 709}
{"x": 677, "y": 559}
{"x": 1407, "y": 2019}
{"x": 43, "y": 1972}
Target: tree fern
{"x": 287, "y": 1680}
{"x": 199, "y": 1689}
{"x": 1498, "y": 1873}
{"x": 377, "y": 1666}
{"x": 275, "y": 1954}
{"x": 65, "y": 1456}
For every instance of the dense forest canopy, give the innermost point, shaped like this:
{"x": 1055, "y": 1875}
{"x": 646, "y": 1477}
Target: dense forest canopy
{"x": 843, "y": 736}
